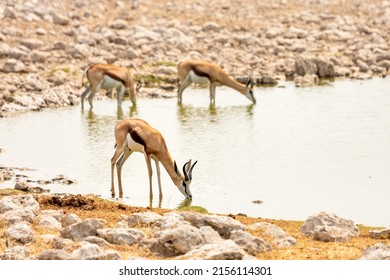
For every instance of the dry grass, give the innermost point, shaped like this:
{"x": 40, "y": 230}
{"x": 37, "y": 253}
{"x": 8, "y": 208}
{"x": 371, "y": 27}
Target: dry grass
{"x": 305, "y": 249}
{"x": 308, "y": 249}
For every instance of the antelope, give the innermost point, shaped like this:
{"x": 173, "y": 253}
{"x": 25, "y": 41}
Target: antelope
{"x": 136, "y": 135}
{"x": 200, "y": 72}
{"x": 109, "y": 76}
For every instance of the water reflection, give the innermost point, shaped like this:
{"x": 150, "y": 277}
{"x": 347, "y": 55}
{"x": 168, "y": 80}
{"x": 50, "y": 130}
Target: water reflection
{"x": 299, "y": 150}
{"x": 98, "y": 123}
{"x": 185, "y": 203}
{"x": 192, "y": 115}
{"x": 119, "y": 114}
{"x": 132, "y": 113}
{"x": 92, "y": 116}
{"x": 94, "y": 120}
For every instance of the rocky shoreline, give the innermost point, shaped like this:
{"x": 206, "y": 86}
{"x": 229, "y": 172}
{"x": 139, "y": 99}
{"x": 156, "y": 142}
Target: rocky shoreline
{"x": 36, "y": 225}
{"x": 46, "y": 45}
{"x": 179, "y": 235}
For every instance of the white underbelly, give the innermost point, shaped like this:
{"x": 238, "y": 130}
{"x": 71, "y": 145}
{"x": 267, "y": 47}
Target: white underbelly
{"x": 198, "y": 79}
{"x": 109, "y": 82}
{"x": 134, "y": 146}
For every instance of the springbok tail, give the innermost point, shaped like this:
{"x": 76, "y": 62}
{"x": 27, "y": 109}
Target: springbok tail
{"x": 84, "y": 74}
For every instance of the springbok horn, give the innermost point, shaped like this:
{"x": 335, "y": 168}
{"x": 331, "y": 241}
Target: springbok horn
{"x": 249, "y": 81}
{"x": 190, "y": 172}
{"x": 175, "y": 167}
{"x": 185, "y": 169}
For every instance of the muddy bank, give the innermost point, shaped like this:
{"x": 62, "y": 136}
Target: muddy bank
{"x": 45, "y": 46}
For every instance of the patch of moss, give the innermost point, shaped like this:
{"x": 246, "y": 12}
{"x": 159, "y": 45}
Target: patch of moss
{"x": 165, "y": 63}
{"x": 150, "y": 79}
{"x": 64, "y": 69}
{"x": 9, "y": 191}
{"x": 198, "y": 209}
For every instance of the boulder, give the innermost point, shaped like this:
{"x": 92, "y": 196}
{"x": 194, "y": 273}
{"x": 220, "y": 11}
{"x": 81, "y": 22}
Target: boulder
{"x": 85, "y": 251}
{"x": 5, "y": 50}
{"x": 321, "y": 67}
{"x": 106, "y": 255}
{"x": 378, "y": 251}
{"x": 224, "y": 250}
{"x": 81, "y": 230}
{"x": 121, "y": 236}
{"x": 170, "y": 220}
{"x": 9, "y": 13}
{"x": 251, "y": 244}
{"x": 49, "y": 222}
{"x": 22, "y": 185}
{"x": 19, "y": 233}
{"x": 79, "y": 51}
{"x": 39, "y": 56}
{"x": 97, "y": 240}
{"x": 325, "y": 68}
{"x": 18, "y": 215}
{"x": 14, "y": 202}
{"x": 118, "y": 24}
{"x": 211, "y": 26}
{"x": 16, "y": 253}
{"x": 56, "y": 214}
{"x": 177, "y": 241}
{"x": 380, "y": 234}
{"x": 13, "y": 65}
{"x": 142, "y": 219}
{"x": 62, "y": 243}
{"x": 31, "y": 43}
{"x": 6, "y": 174}
{"x": 329, "y": 227}
{"x": 54, "y": 254}
{"x": 280, "y": 238}
{"x": 209, "y": 235}
{"x": 332, "y": 234}
{"x": 70, "y": 219}
{"x": 60, "y": 19}
{"x": 305, "y": 66}
{"x": 222, "y": 224}
{"x": 120, "y": 40}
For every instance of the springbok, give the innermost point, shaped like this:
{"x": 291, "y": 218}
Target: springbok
{"x": 136, "y": 135}
{"x": 109, "y": 76}
{"x": 200, "y": 72}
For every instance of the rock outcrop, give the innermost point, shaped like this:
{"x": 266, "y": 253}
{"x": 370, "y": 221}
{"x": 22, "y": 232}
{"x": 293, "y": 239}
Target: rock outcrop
{"x": 42, "y": 66}
{"x": 329, "y": 227}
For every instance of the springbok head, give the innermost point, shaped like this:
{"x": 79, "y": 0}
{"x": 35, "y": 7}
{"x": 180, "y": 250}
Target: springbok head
{"x": 185, "y": 181}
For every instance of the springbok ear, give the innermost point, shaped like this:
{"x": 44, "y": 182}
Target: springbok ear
{"x": 175, "y": 167}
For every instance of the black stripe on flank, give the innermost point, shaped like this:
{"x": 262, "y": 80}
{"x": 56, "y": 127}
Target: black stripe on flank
{"x": 135, "y": 136}
{"x": 200, "y": 73}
